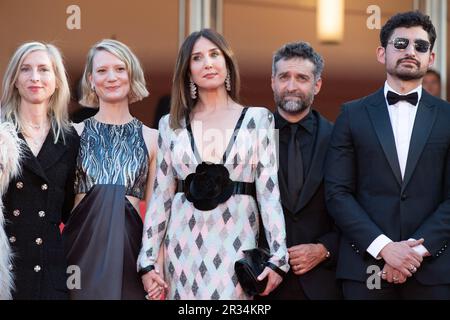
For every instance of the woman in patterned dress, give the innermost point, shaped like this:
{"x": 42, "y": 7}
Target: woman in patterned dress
{"x": 115, "y": 170}
{"x": 203, "y": 224}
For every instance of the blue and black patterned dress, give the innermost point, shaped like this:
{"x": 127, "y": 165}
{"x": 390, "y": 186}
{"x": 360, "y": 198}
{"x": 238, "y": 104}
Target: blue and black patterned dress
{"x": 103, "y": 235}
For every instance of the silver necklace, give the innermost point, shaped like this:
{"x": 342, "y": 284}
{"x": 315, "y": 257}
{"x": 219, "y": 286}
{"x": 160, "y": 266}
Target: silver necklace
{"x": 35, "y": 138}
{"x": 34, "y": 126}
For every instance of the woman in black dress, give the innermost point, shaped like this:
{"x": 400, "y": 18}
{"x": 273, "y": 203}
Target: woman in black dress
{"x": 35, "y": 98}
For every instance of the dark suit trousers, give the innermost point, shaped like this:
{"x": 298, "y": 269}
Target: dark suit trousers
{"x": 410, "y": 290}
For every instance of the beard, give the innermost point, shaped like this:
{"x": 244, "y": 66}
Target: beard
{"x": 294, "y": 106}
{"x": 407, "y": 74}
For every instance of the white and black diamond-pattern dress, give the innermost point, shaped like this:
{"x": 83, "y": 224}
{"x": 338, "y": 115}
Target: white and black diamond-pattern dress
{"x": 201, "y": 247}
{"x": 103, "y": 234}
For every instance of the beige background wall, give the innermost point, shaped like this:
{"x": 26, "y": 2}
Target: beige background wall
{"x": 150, "y": 28}
{"x": 255, "y": 28}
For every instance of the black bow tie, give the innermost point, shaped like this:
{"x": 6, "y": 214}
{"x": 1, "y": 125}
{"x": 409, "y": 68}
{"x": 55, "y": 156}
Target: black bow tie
{"x": 393, "y": 98}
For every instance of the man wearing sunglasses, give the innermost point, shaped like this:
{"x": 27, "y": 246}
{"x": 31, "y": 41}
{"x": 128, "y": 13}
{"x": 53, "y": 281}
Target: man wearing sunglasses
{"x": 387, "y": 175}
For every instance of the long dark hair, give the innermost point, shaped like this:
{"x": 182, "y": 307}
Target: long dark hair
{"x": 181, "y": 101}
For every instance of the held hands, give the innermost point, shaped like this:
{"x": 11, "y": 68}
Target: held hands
{"x": 401, "y": 256}
{"x": 273, "y": 281}
{"x": 154, "y": 285}
{"x": 304, "y": 257}
{"x": 401, "y": 260}
{"x": 392, "y": 275}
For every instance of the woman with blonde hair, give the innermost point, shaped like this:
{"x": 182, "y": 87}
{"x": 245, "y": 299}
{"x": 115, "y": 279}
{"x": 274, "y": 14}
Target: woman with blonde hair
{"x": 114, "y": 172}
{"x": 34, "y": 100}
{"x": 216, "y": 177}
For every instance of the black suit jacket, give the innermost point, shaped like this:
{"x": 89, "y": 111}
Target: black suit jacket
{"x": 310, "y": 223}
{"x": 367, "y": 196}
{"x": 35, "y": 204}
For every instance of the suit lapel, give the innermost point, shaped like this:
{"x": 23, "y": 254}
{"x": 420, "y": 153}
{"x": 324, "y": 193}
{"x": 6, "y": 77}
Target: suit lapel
{"x": 49, "y": 154}
{"x": 315, "y": 174}
{"x": 31, "y": 162}
{"x": 379, "y": 116}
{"x": 425, "y": 118}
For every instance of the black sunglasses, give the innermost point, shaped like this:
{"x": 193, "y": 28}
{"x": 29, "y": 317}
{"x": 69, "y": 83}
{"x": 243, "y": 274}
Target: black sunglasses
{"x": 419, "y": 44}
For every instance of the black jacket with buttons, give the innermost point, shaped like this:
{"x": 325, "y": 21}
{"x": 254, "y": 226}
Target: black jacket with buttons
{"x": 36, "y": 202}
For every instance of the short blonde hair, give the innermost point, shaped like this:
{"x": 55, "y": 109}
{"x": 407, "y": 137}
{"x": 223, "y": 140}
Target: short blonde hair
{"x": 138, "y": 90}
{"x": 59, "y": 101}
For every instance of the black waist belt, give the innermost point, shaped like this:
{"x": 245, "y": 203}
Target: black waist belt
{"x": 239, "y": 187}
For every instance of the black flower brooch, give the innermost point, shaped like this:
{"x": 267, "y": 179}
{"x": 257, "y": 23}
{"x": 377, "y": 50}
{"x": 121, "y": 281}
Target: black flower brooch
{"x": 209, "y": 186}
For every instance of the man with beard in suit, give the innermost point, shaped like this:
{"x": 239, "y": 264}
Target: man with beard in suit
{"x": 388, "y": 175}
{"x": 304, "y": 134}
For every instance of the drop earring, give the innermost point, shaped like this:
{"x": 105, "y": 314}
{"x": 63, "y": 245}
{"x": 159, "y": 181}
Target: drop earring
{"x": 193, "y": 89}
{"x": 228, "y": 82}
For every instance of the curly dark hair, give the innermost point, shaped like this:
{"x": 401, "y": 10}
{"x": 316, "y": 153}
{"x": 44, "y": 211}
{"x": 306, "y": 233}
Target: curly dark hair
{"x": 299, "y": 50}
{"x": 407, "y": 20}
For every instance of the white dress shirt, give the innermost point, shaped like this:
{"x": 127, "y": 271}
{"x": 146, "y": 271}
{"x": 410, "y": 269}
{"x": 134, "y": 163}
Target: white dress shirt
{"x": 402, "y": 116}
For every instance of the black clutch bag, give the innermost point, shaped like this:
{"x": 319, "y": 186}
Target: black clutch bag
{"x": 249, "y": 268}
